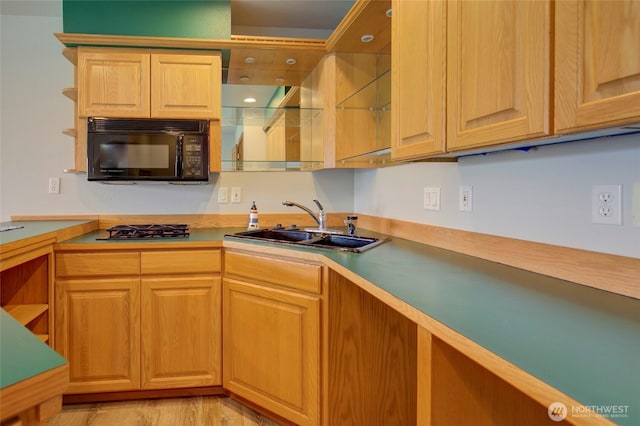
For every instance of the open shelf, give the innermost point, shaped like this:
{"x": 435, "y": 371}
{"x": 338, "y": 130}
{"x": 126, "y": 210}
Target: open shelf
{"x": 24, "y": 314}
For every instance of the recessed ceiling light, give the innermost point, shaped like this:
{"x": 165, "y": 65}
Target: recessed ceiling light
{"x": 244, "y": 78}
{"x": 279, "y": 79}
{"x": 249, "y": 100}
{"x": 366, "y": 38}
{"x": 291, "y": 61}
{"x": 249, "y": 60}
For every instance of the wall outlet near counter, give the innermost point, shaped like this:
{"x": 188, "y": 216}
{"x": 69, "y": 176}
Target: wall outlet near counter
{"x": 606, "y": 204}
{"x": 54, "y": 185}
{"x": 466, "y": 199}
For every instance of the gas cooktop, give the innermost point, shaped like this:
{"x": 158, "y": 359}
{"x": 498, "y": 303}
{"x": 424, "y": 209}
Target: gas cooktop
{"x": 146, "y": 232}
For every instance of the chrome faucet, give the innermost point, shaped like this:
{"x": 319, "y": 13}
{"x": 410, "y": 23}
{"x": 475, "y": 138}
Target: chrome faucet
{"x": 320, "y": 218}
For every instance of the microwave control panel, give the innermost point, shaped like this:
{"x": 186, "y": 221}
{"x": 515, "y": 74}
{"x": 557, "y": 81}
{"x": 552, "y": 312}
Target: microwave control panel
{"x": 194, "y": 157}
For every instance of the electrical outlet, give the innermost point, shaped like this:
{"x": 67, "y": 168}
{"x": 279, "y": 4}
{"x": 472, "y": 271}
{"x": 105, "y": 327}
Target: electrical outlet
{"x": 54, "y": 185}
{"x": 236, "y": 194}
{"x": 223, "y": 195}
{"x": 466, "y": 198}
{"x": 606, "y": 204}
{"x": 432, "y": 198}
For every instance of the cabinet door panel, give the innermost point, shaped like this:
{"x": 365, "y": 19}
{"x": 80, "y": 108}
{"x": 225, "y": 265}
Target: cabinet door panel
{"x": 113, "y": 84}
{"x": 181, "y": 332}
{"x": 498, "y": 56}
{"x": 597, "y": 64}
{"x": 418, "y": 34}
{"x": 271, "y": 352}
{"x": 97, "y": 330}
{"x": 186, "y": 86}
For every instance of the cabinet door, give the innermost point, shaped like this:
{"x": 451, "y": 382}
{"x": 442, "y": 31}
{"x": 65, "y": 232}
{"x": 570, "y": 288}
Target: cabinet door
{"x": 498, "y": 56}
{"x": 113, "y": 83}
{"x": 597, "y": 65}
{"x": 97, "y": 330}
{"x": 418, "y": 33}
{"x": 186, "y": 86}
{"x": 181, "y": 332}
{"x": 271, "y": 350}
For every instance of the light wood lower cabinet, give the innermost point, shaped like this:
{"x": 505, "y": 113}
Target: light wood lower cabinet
{"x": 98, "y": 330}
{"x": 135, "y": 320}
{"x": 180, "y": 331}
{"x": 272, "y": 336}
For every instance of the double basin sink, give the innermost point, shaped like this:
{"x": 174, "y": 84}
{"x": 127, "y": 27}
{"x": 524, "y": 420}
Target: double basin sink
{"x": 312, "y": 239}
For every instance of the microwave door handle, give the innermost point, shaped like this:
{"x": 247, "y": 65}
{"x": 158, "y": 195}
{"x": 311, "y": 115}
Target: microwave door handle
{"x": 179, "y": 154}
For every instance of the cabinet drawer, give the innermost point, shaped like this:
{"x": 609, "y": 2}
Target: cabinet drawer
{"x": 96, "y": 264}
{"x": 181, "y": 261}
{"x": 298, "y": 275}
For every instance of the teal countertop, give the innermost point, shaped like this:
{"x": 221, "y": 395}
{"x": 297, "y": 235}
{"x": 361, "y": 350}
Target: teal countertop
{"x": 582, "y": 341}
{"x": 22, "y": 354}
{"x": 34, "y": 228}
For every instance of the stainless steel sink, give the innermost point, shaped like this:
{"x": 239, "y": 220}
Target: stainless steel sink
{"x": 318, "y": 240}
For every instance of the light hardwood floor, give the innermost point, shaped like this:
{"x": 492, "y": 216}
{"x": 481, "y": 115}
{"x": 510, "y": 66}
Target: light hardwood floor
{"x": 194, "y": 411}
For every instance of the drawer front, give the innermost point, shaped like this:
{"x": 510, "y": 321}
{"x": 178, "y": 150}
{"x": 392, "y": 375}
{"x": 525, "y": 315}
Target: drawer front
{"x": 97, "y": 264}
{"x": 298, "y": 275}
{"x": 181, "y": 262}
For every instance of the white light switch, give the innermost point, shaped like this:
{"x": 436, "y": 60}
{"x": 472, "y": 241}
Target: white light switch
{"x": 432, "y": 198}
{"x": 236, "y": 194}
{"x": 223, "y": 195}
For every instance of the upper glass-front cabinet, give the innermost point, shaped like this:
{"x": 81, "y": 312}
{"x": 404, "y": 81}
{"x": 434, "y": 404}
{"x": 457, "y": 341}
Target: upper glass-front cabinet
{"x": 265, "y": 137}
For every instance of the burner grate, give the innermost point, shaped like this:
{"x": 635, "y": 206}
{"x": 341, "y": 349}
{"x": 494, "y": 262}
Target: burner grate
{"x": 144, "y": 232}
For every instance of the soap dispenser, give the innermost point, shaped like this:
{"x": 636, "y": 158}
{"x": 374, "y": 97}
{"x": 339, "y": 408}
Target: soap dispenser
{"x": 253, "y": 217}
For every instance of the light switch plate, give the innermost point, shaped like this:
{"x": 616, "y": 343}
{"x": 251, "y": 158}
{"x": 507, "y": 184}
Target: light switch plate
{"x": 432, "y": 198}
{"x": 223, "y": 195}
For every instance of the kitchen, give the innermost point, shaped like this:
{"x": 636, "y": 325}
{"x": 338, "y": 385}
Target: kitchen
{"x": 541, "y": 195}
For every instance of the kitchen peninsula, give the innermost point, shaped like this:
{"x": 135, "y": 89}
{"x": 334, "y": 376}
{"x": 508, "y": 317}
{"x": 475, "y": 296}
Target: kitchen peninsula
{"x": 534, "y": 339}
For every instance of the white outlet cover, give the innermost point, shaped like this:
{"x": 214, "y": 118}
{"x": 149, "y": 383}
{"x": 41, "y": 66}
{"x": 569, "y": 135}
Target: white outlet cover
{"x": 466, "y": 199}
{"x": 606, "y": 204}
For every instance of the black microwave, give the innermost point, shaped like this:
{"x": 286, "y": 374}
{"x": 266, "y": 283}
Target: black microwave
{"x": 121, "y": 149}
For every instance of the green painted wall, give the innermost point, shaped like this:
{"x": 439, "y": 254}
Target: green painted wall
{"x": 209, "y": 19}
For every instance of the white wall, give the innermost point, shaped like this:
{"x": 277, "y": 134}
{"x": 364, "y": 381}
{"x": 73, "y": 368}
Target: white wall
{"x": 33, "y": 113}
{"x": 542, "y": 195}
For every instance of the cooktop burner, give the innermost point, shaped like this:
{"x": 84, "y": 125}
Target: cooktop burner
{"x": 145, "y": 232}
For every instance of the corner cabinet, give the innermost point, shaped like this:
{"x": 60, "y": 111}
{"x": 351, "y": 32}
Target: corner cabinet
{"x": 131, "y": 320}
{"x": 597, "y": 64}
{"x": 271, "y": 316}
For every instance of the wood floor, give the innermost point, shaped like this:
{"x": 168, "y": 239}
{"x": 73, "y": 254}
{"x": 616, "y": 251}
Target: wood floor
{"x": 195, "y": 411}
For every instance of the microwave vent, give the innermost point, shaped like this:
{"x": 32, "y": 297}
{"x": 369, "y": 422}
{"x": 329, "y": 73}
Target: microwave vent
{"x": 106, "y": 125}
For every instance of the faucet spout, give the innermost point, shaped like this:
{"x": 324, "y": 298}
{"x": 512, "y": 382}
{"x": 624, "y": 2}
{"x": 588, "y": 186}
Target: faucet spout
{"x": 320, "y": 219}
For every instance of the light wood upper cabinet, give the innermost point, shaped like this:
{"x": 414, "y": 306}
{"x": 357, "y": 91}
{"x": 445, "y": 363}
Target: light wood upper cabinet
{"x": 186, "y": 86}
{"x": 114, "y": 83}
{"x": 597, "y": 64}
{"x": 496, "y": 59}
{"x": 139, "y": 84}
{"x": 498, "y": 72}
{"x": 418, "y": 34}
